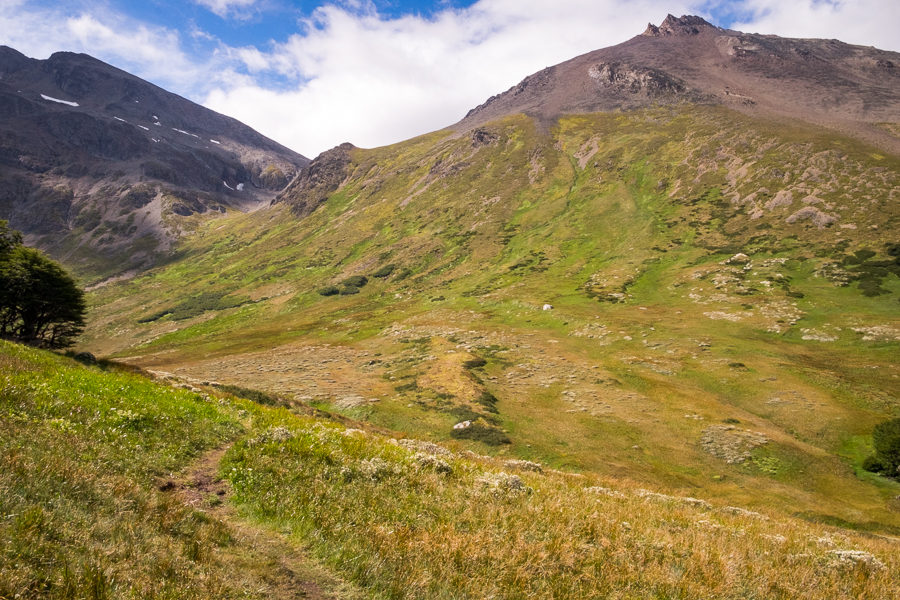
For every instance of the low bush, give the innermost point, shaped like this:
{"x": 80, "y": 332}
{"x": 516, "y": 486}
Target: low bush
{"x": 356, "y": 281}
{"x": 886, "y": 439}
{"x": 384, "y": 271}
{"x": 481, "y": 432}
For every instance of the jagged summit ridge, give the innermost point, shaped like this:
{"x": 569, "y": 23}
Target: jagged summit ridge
{"x": 852, "y": 89}
{"x": 686, "y": 25}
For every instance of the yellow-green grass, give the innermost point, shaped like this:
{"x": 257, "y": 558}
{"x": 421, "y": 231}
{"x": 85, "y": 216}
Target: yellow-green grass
{"x": 490, "y": 233}
{"x": 82, "y": 453}
{"x": 409, "y": 524}
{"x": 84, "y": 450}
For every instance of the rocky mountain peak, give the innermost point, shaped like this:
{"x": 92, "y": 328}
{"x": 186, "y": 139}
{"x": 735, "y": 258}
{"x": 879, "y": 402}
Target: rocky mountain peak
{"x": 672, "y": 25}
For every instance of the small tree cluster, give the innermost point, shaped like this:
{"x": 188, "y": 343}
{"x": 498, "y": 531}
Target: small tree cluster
{"x": 886, "y": 439}
{"x": 40, "y": 304}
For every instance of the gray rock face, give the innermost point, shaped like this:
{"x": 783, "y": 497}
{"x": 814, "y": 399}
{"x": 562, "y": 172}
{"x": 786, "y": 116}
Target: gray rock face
{"x": 686, "y": 59}
{"x": 319, "y": 179}
{"x": 77, "y": 136}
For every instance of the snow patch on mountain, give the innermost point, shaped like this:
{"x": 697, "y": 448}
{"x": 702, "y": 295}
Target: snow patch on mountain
{"x": 52, "y": 99}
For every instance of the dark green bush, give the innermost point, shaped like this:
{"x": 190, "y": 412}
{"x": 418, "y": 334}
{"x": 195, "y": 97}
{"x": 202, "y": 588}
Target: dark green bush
{"x": 356, "y": 281}
{"x": 197, "y": 305}
{"x": 886, "y": 439}
{"x": 488, "y": 400}
{"x": 873, "y": 465}
{"x": 481, "y": 432}
{"x": 348, "y": 290}
{"x": 329, "y": 290}
{"x": 384, "y": 271}
{"x": 474, "y": 363}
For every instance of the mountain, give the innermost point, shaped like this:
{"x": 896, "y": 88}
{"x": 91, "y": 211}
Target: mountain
{"x": 645, "y": 279}
{"x": 852, "y": 89}
{"x": 97, "y": 163}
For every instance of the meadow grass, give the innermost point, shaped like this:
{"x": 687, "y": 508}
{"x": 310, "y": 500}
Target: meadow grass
{"x": 84, "y": 450}
{"x": 82, "y": 453}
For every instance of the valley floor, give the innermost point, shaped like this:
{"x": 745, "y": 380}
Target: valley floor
{"x": 113, "y": 486}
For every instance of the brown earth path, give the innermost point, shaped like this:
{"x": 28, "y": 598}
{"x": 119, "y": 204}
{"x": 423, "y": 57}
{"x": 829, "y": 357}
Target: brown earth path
{"x": 275, "y": 564}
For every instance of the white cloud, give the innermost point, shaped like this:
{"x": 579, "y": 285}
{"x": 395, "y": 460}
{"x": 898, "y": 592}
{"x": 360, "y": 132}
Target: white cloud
{"x": 374, "y": 81}
{"x": 863, "y": 22}
{"x": 349, "y": 74}
{"x": 225, "y": 8}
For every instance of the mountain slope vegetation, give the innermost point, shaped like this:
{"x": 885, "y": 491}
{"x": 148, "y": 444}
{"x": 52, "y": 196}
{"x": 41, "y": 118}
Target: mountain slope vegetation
{"x": 723, "y": 295}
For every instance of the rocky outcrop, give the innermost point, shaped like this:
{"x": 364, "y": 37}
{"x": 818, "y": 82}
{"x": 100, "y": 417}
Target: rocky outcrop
{"x": 318, "y": 180}
{"x": 686, "y": 25}
{"x": 636, "y": 80}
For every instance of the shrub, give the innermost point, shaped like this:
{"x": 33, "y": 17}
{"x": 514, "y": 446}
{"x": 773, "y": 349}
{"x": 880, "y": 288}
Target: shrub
{"x": 348, "y": 290}
{"x": 329, "y": 290}
{"x": 488, "y": 400}
{"x": 481, "y": 432}
{"x": 356, "y": 281}
{"x": 474, "y": 363}
{"x": 873, "y": 465}
{"x": 384, "y": 271}
{"x": 252, "y": 395}
{"x": 886, "y": 439}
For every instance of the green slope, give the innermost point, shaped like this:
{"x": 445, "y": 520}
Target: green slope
{"x": 666, "y": 360}
{"x": 83, "y": 513}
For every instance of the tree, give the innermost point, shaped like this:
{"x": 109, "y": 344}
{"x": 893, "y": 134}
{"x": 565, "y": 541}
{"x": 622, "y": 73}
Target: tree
{"x": 40, "y": 304}
{"x": 886, "y": 439}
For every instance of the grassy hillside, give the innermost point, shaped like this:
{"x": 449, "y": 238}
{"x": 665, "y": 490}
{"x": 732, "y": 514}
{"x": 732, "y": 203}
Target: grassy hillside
{"x": 724, "y": 300}
{"x": 89, "y": 508}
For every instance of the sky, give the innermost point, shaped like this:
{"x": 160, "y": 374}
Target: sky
{"x": 313, "y": 74}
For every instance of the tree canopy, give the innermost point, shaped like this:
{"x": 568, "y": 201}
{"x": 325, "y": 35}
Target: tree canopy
{"x": 40, "y": 303}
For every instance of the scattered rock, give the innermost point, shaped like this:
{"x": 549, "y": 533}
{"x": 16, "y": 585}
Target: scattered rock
{"x": 423, "y": 446}
{"x": 524, "y": 465}
{"x": 353, "y": 401}
{"x": 598, "y": 489}
{"x": 503, "y": 485}
{"x": 743, "y": 512}
{"x": 274, "y": 434}
{"x": 647, "y": 494}
{"x": 377, "y": 468}
{"x": 878, "y": 333}
{"x": 738, "y": 259}
{"x": 719, "y": 315}
{"x": 817, "y": 335}
{"x": 811, "y": 213}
